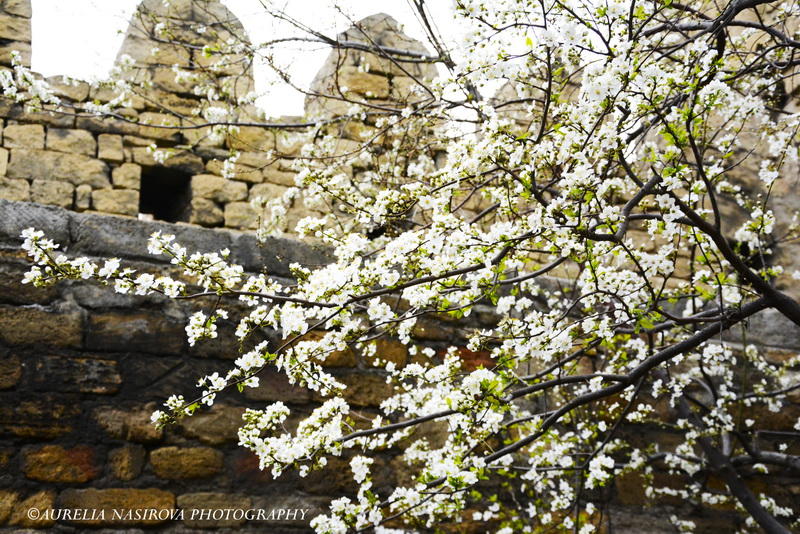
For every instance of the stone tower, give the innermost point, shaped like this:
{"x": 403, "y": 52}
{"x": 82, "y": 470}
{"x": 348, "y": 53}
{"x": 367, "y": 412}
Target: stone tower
{"x": 356, "y": 75}
{"x": 15, "y": 30}
{"x": 199, "y": 37}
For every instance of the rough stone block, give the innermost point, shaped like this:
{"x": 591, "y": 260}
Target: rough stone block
{"x": 3, "y": 161}
{"x": 251, "y": 138}
{"x": 121, "y": 201}
{"x": 237, "y": 86}
{"x": 203, "y": 136}
{"x": 12, "y": 291}
{"x": 8, "y": 500}
{"x": 240, "y": 215}
{"x": 165, "y": 78}
{"x": 163, "y": 101}
{"x": 238, "y": 172}
{"x": 405, "y": 89}
{"x": 289, "y": 143}
{"x": 779, "y": 356}
{"x": 161, "y": 376}
{"x": 189, "y": 502}
{"x": 245, "y": 470}
{"x": 335, "y": 478}
{"x": 218, "y": 189}
{"x": 267, "y": 191}
{"x": 210, "y": 152}
{"x": 186, "y": 462}
{"x": 123, "y": 499}
{"x": 106, "y": 93}
{"x": 274, "y": 386}
{"x": 365, "y": 389}
{"x": 16, "y": 216}
{"x": 127, "y": 176}
{"x": 65, "y": 87}
{"x": 257, "y": 160}
{"x": 53, "y": 463}
{"x": 218, "y": 63}
{"x": 36, "y": 419}
{"x": 346, "y": 147}
{"x": 83, "y": 197}
{"x": 296, "y": 213}
{"x": 5, "y": 458}
{"x": 390, "y": 350}
{"x": 142, "y": 156}
{"x": 105, "y": 125}
{"x": 10, "y": 372}
{"x": 162, "y": 125}
{"x": 18, "y": 113}
{"x": 772, "y": 329}
{"x": 216, "y": 426}
{"x": 274, "y": 175}
{"x": 471, "y": 360}
{"x": 73, "y": 168}
{"x": 358, "y": 131}
{"x": 23, "y": 136}
{"x": 101, "y": 298}
{"x": 205, "y": 212}
{"x": 5, "y": 455}
{"x": 15, "y": 28}
{"x": 127, "y": 462}
{"x": 126, "y": 237}
{"x": 41, "y": 501}
{"x": 255, "y": 256}
{"x": 54, "y": 193}
{"x": 152, "y": 53}
{"x": 36, "y": 325}
{"x": 133, "y": 140}
{"x": 431, "y": 331}
{"x": 8, "y": 48}
{"x": 181, "y": 160}
{"x": 132, "y": 424}
{"x": 322, "y": 106}
{"x": 379, "y": 64}
{"x": 353, "y": 80}
{"x": 11, "y": 189}
{"x": 20, "y": 8}
{"x": 80, "y": 375}
{"x": 109, "y": 147}
{"x": 142, "y": 331}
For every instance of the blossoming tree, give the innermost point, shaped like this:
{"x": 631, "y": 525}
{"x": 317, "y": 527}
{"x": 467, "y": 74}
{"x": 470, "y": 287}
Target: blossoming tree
{"x": 620, "y": 205}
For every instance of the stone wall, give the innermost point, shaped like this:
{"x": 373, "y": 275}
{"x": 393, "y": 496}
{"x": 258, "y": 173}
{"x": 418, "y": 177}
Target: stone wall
{"x": 155, "y": 158}
{"x": 82, "y": 368}
{"x": 84, "y": 163}
{"x": 88, "y": 164}
{"x": 15, "y": 30}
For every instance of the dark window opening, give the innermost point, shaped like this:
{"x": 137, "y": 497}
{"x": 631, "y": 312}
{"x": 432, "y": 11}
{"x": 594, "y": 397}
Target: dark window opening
{"x": 165, "y": 194}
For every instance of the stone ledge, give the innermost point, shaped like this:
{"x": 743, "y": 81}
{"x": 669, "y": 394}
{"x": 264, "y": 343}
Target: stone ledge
{"x": 125, "y": 237}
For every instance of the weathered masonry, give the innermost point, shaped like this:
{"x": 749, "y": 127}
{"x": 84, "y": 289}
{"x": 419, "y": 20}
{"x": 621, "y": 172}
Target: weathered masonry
{"x": 155, "y": 160}
{"x": 82, "y": 368}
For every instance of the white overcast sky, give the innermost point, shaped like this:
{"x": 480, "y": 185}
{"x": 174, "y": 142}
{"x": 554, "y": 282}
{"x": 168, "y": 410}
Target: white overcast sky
{"x": 80, "y": 38}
